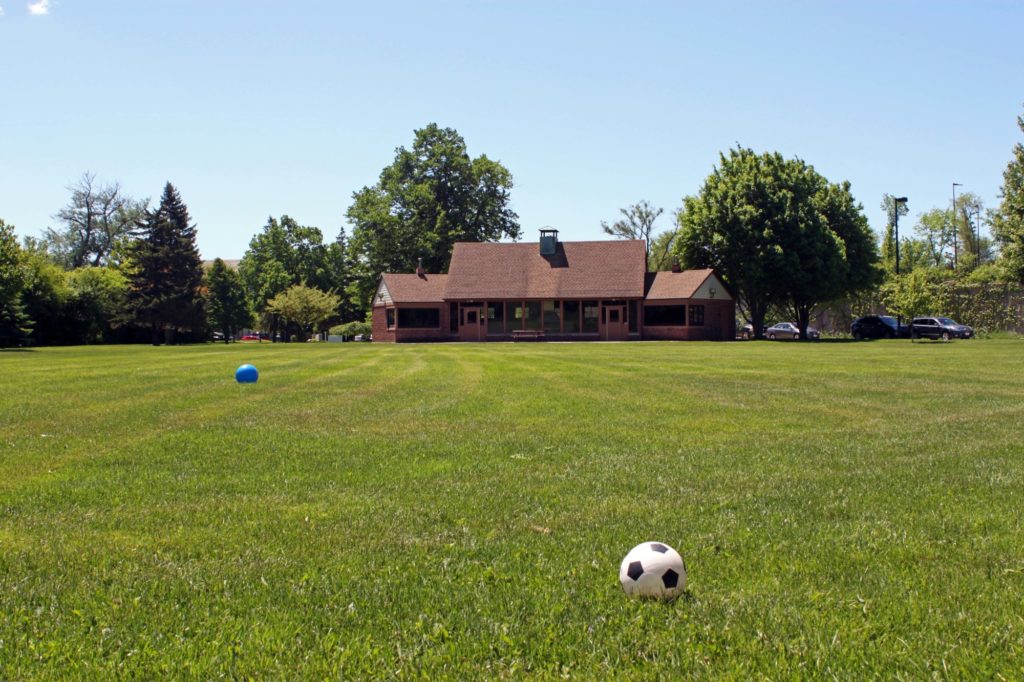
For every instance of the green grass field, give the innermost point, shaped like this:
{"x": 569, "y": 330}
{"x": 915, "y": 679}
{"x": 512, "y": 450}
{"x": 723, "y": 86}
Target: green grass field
{"x": 367, "y": 510}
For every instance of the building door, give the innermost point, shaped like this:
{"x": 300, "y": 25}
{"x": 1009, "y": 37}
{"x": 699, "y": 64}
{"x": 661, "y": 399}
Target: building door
{"x": 714, "y": 322}
{"x": 471, "y": 323}
{"x": 615, "y": 325}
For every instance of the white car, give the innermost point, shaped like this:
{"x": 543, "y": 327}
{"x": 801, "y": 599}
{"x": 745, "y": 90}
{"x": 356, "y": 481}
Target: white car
{"x": 788, "y": 330}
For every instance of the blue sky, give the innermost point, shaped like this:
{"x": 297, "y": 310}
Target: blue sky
{"x": 261, "y": 108}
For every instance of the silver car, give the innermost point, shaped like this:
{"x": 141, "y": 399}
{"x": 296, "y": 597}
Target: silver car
{"x": 788, "y": 330}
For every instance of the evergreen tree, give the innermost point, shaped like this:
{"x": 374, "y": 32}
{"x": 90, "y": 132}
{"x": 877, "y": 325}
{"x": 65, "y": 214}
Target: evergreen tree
{"x": 15, "y": 325}
{"x": 1008, "y": 220}
{"x": 226, "y": 306}
{"x": 167, "y": 273}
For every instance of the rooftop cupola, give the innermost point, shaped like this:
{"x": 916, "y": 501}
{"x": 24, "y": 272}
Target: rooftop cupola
{"x": 548, "y": 241}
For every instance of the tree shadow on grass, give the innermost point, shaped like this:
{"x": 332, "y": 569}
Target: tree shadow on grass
{"x": 17, "y": 350}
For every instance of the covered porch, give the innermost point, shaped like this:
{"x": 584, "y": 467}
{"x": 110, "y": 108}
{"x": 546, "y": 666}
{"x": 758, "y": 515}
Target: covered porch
{"x": 551, "y": 319}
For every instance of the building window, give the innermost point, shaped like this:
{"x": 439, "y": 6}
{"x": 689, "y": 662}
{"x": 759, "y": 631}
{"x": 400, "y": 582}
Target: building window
{"x": 552, "y": 318}
{"x": 419, "y": 318}
{"x": 495, "y": 318}
{"x": 515, "y": 315}
{"x": 591, "y": 311}
{"x": 453, "y": 318}
{"x": 391, "y": 318}
{"x": 532, "y": 315}
{"x": 696, "y": 316}
{"x": 571, "y": 316}
{"x": 665, "y": 315}
{"x": 633, "y": 322}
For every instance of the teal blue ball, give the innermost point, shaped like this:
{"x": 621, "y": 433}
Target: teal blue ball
{"x": 247, "y": 374}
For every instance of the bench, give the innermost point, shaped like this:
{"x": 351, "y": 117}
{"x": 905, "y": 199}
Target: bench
{"x": 527, "y": 334}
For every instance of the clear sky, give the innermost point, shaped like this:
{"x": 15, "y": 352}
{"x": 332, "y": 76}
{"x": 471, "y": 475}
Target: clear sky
{"x": 264, "y": 107}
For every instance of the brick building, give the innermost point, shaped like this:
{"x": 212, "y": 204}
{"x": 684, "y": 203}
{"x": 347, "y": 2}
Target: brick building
{"x": 561, "y": 291}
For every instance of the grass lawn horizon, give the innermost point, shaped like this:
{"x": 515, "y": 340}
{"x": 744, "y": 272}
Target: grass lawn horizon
{"x": 460, "y": 510}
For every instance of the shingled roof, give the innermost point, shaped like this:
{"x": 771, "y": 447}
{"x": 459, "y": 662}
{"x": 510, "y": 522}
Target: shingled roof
{"x": 673, "y": 285}
{"x": 602, "y": 269}
{"x": 412, "y": 288}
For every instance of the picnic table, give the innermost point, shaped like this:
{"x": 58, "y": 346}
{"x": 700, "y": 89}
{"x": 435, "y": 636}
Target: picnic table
{"x": 527, "y": 334}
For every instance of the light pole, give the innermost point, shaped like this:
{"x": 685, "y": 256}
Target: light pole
{"x": 955, "y": 185}
{"x": 977, "y": 219}
{"x": 896, "y": 203}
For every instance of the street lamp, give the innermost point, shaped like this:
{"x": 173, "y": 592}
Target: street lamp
{"x": 977, "y": 220}
{"x": 955, "y": 185}
{"x": 896, "y": 203}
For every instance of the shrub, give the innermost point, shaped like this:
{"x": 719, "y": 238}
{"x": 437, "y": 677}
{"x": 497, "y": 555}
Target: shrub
{"x": 351, "y": 329}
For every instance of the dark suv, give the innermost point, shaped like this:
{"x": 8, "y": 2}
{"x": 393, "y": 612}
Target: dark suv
{"x": 939, "y": 328}
{"x": 878, "y": 327}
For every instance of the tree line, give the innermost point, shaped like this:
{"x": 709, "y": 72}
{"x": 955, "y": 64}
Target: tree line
{"x": 790, "y": 244}
{"x": 117, "y": 270}
{"x": 787, "y": 241}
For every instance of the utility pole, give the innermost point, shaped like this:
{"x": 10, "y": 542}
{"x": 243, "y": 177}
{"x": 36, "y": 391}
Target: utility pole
{"x": 977, "y": 220}
{"x": 955, "y": 185}
{"x": 896, "y": 203}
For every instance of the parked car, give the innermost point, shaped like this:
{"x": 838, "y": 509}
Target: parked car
{"x": 788, "y": 330}
{"x": 878, "y": 327}
{"x": 939, "y": 328}
{"x": 747, "y": 331}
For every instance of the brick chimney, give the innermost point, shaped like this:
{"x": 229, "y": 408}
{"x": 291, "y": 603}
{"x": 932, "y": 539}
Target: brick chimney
{"x": 675, "y": 265}
{"x": 419, "y": 268}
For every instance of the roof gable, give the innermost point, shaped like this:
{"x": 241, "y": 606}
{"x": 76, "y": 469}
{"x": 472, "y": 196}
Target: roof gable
{"x": 410, "y": 288}
{"x": 696, "y": 284}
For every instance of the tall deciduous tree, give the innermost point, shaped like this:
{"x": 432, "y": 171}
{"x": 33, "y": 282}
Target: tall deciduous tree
{"x": 838, "y": 254}
{"x": 909, "y": 295}
{"x": 659, "y": 253}
{"x": 97, "y": 298}
{"x": 97, "y": 221}
{"x": 304, "y": 306}
{"x": 964, "y": 223}
{"x": 729, "y": 226}
{"x": 1008, "y": 219}
{"x": 777, "y": 232}
{"x": 430, "y": 197}
{"x": 46, "y": 297}
{"x": 226, "y": 303}
{"x": 935, "y": 230}
{"x": 166, "y": 271}
{"x": 287, "y": 253}
{"x": 15, "y": 325}
{"x": 637, "y": 222}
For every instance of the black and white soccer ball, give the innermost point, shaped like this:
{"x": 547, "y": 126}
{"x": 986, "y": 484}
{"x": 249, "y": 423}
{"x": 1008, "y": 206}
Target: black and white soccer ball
{"x": 653, "y": 569}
